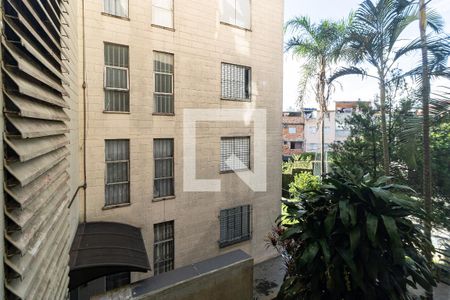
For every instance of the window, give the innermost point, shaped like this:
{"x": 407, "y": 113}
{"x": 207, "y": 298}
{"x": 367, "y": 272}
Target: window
{"x": 236, "y": 82}
{"x": 236, "y": 12}
{"x": 117, "y": 183}
{"x": 292, "y": 130}
{"x": 163, "y": 247}
{"x": 162, "y": 13}
{"x": 312, "y": 129}
{"x": 117, "y": 280}
{"x": 116, "y": 78}
{"x": 163, "y": 153}
{"x": 296, "y": 145}
{"x": 116, "y": 7}
{"x": 163, "y": 95}
{"x": 235, "y": 225}
{"x": 234, "y": 154}
{"x": 313, "y": 147}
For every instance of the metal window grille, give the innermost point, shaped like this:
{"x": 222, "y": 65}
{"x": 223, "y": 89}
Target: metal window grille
{"x": 163, "y": 95}
{"x": 117, "y": 280}
{"x": 117, "y": 181}
{"x": 164, "y": 173}
{"x": 164, "y": 247}
{"x": 162, "y": 13}
{"x": 116, "y": 78}
{"x": 234, "y": 147}
{"x": 235, "y": 225}
{"x": 236, "y": 82}
{"x": 116, "y": 7}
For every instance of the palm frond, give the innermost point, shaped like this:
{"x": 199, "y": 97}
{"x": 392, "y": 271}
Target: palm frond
{"x": 345, "y": 71}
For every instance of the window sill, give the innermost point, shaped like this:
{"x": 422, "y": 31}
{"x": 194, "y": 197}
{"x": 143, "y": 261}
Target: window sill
{"x": 236, "y": 100}
{"x": 234, "y": 171}
{"x": 163, "y": 114}
{"x": 229, "y": 243}
{"x": 163, "y": 27}
{"x": 163, "y": 198}
{"x": 236, "y": 26}
{"x": 116, "y": 112}
{"x": 108, "y": 207}
{"x": 114, "y": 16}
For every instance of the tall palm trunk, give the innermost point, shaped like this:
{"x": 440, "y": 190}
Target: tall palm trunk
{"x": 384, "y": 134}
{"x": 426, "y": 133}
{"x": 322, "y": 80}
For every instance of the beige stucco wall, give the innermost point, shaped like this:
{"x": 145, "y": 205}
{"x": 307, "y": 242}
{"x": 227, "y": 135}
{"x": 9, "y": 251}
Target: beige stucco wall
{"x": 200, "y": 43}
{"x": 315, "y": 138}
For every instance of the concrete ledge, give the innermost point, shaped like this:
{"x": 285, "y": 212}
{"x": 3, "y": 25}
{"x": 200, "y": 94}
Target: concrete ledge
{"x": 228, "y": 276}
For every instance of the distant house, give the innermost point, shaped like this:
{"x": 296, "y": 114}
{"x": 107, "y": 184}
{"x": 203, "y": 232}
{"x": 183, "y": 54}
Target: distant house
{"x": 293, "y": 134}
{"x": 335, "y": 128}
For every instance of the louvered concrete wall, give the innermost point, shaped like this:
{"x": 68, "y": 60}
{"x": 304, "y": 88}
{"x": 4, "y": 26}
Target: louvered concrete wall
{"x": 40, "y": 141}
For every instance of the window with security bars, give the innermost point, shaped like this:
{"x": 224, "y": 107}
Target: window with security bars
{"x": 235, "y": 225}
{"x": 163, "y": 95}
{"x": 116, "y": 7}
{"x": 234, "y": 153}
{"x": 163, "y": 248}
{"x": 163, "y": 181}
{"x": 236, "y": 82}
{"x": 162, "y": 13}
{"x": 116, "y": 78}
{"x": 117, "y": 181}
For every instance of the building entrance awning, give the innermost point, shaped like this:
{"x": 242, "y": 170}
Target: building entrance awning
{"x": 102, "y": 248}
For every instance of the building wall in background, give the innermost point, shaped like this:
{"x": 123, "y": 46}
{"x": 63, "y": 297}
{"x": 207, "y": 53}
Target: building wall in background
{"x": 293, "y": 134}
{"x": 200, "y": 43}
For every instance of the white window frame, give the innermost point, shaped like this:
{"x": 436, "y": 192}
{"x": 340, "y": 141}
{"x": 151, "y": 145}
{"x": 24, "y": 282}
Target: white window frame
{"x": 121, "y": 182}
{"x": 115, "y": 15}
{"x": 292, "y": 130}
{"x": 127, "y": 89}
{"x": 157, "y": 179}
{"x": 172, "y": 81}
{"x": 234, "y": 22}
{"x": 172, "y": 12}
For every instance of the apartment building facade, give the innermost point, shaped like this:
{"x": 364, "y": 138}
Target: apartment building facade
{"x": 146, "y": 62}
{"x": 293, "y": 134}
{"x": 336, "y": 130}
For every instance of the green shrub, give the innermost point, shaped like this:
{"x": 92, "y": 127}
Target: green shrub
{"x": 303, "y": 182}
{"x": 352, "y": 238}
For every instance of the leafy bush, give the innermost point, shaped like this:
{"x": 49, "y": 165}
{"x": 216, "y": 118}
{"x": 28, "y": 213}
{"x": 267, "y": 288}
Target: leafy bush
{"x": 352, "y": 238}
{"x": 303, "y": 182}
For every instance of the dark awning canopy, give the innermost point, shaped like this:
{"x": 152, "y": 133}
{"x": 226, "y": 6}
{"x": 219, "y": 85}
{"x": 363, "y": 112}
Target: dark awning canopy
{"x": 102, "y": 248}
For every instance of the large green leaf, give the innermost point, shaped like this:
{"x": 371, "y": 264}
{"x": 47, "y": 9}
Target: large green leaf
{"x": 392, "y": 230}
{"x": 325, "y": 250}
{"x": 344, "y": 213}
{"x": 372, "y": 225}
{"x": 329, "y": 221}
{"x": 348, "y": 258}
{"x": 309, "y": 253}
{"x": 355, "y": 235}
{"x": 290, "y": 232}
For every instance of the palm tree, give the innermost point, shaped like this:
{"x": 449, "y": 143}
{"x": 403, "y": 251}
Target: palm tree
{"x": 373, "y": 39}
{"x": 321, "y": 45}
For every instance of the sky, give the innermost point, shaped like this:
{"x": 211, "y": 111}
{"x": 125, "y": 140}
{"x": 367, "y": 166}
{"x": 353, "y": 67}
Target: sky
{"x": 351, "y": 88}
